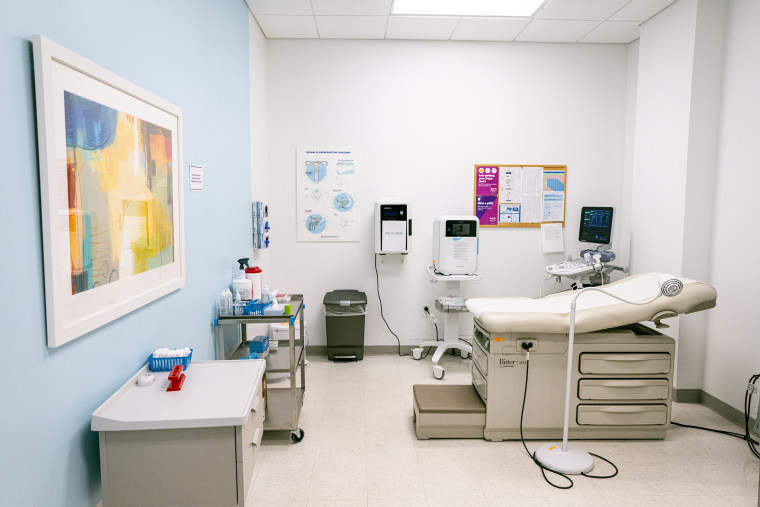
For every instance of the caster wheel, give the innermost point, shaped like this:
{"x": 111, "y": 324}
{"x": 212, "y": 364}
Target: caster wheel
{"x": 296, "y": 436}
{"x": 438, "y": 372}
{"x": 417, "y": 353}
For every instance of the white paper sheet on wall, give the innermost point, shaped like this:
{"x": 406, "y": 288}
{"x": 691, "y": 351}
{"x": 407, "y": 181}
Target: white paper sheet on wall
{"x": 551, "y": 238}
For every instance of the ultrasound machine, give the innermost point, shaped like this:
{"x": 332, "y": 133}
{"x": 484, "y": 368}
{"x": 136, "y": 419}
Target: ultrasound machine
{"x": 592, "y": 268}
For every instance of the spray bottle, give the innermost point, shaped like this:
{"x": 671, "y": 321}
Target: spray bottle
{"x": 241, "y": 283}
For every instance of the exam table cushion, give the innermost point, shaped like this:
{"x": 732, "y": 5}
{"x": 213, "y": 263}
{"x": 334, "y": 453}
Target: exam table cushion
{"x": 594, "y": 310}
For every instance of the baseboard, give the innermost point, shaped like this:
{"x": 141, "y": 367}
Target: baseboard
{"x": 321, "y": 350}
{"x": 719, "y": 407}
{"x": 380, "y": 350}
{"x": 687, "y": 395}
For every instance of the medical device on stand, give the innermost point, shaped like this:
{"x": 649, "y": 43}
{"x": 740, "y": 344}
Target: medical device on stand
{"x": 593, "y": 267}
{"x": 455, "y": 260}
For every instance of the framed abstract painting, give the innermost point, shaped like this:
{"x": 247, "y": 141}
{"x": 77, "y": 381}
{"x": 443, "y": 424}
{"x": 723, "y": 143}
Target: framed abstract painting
{"x": 111, "y": 193}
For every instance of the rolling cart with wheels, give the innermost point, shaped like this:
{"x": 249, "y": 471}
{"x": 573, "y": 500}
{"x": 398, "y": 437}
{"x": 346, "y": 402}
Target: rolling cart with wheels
{"x": 283, "y": 404}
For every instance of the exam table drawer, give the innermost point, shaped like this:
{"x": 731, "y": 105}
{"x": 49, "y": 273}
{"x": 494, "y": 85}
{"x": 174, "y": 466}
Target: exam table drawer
{"x": 622, "y": 415}
{"x": 623, "y": 389}
{"x": 624, "y": 363}
{"x": 480, "y": 356}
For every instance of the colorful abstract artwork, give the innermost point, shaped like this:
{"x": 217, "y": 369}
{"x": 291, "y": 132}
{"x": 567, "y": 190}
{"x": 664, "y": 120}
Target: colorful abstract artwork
{"x": 119, "y": 175}
{"x": 111, "y": 193}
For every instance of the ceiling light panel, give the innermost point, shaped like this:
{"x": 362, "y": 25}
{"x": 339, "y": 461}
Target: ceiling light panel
{"x": 503, "y": 8}
{"x": 598, "y": 10}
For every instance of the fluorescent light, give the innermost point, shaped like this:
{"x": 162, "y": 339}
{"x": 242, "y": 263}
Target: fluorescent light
{"x": 502, "y": 8}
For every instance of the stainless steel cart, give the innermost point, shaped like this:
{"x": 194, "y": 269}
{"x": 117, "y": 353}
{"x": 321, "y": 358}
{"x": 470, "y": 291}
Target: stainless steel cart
{"x": 283, "y": 405}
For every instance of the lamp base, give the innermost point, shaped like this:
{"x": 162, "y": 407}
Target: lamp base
{"x": 573, "y": 461}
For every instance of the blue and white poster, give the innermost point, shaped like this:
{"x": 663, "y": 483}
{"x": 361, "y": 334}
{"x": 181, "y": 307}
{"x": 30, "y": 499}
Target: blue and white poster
{"x": 327, "y": 193}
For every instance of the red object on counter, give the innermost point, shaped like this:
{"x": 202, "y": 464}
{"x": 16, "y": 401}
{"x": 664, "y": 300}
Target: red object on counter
{"x": 176, "y": 378}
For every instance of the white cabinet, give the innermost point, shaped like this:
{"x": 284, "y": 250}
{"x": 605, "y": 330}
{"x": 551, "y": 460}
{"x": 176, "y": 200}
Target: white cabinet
{"x": 196, "y": 446}
{"x": 621, "y": 383}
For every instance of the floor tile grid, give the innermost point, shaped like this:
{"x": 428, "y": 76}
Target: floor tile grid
{"x": 360, "y": 449}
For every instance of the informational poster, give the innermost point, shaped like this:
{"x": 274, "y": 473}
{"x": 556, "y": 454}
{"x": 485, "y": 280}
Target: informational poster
{"x": 519, "y": 195}
{"x": 327, "y": 192}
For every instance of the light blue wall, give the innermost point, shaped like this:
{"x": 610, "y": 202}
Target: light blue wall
{"x": 193, "y": 53}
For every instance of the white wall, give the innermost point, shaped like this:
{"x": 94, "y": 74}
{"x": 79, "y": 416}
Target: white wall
{"x": 424, "y": 113}
{"x": 677, "y": 113}
{"x": 733, "y": 354}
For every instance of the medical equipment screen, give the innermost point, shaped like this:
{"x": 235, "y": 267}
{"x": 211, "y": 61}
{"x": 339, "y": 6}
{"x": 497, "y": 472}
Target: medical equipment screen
{"x": 460, "y": 229}
{"x": 596, "y": 225}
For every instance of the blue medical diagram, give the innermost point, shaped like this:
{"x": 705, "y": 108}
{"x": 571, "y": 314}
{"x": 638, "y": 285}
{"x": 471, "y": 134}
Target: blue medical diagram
{"x": 343, "y": 202}
{"x": 316, "y": 170}
{"x": 316, "y": 223}
{"x": 555, "y": 184}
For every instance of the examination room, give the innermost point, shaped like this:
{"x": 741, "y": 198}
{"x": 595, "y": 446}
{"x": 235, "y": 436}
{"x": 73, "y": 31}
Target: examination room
{"x": 379, "y": 253}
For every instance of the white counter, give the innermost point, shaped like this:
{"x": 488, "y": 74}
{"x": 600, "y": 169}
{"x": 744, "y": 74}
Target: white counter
{"x": 215, "y": 393}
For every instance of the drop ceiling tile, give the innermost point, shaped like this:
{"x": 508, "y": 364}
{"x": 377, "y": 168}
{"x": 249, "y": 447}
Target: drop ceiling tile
{"x": 640, "y": 10}
{"x": 581, "y": 9}
{"x": 287, "y": 27}
{"x": 283, "y": 7}
{"x": 421, "y": 27}
{"x": 489, "y": 29}
{"x": 351, "y": 27}
{"x": 613, "y": 32}
{"x": 351, "y": 7}
{"x": 548, "y": 30}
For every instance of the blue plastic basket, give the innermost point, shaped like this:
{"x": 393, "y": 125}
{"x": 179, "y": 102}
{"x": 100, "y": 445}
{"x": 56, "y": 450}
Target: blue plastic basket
{"x": 167, "y": 363}
{"x": 255, "y": 307}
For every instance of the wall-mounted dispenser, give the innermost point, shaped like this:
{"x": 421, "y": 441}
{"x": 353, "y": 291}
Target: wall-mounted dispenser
{"x": 260, "y": 225}
{"x": 393, "y": 226}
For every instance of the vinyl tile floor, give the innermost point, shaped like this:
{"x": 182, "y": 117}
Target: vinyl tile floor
{"x": 360, "y": 449}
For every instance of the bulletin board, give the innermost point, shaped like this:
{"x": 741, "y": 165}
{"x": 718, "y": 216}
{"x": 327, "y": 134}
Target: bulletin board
{"x": 519, "y": 195}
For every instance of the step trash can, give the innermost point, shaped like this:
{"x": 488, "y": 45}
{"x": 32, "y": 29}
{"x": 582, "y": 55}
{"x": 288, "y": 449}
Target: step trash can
{"x": 344, "y": 319}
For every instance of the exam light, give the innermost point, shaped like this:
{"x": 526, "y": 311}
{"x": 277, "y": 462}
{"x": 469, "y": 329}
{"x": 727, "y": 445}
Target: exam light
{"x": 572, "y": 459}
{"x": 496, "y": 8}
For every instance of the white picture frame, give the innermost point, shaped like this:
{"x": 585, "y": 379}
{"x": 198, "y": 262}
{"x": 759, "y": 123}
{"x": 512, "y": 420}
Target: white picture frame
{"x": 111, "y": 192}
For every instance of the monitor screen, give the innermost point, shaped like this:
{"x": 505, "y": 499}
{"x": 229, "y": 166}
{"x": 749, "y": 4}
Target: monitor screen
{"x": 596, "y": 225}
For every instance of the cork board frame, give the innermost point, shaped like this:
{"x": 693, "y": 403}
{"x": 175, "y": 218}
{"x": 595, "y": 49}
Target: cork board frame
{"x": 519, "y": 195}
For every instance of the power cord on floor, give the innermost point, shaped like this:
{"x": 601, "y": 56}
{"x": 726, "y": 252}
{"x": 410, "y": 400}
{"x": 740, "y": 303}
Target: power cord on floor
{"x": 527, "y": 346}
{"x": 377, "y": 279}
{"x": 751, "y": 443}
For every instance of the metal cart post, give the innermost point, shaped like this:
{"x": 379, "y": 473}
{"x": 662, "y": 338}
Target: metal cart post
{"x": 283, "y": 405}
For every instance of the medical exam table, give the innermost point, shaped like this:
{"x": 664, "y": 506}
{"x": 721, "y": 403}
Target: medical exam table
{"x": 622, "y": 371}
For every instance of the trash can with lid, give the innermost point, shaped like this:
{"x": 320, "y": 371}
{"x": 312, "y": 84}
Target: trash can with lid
{"x": 344, "y": 319}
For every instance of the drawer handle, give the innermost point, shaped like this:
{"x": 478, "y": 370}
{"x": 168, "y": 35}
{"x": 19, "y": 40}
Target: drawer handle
{"x": 632, "y": 358}
{"x": 256, "y": 437}
{"x": 626, "y": 384}
{"x": 624, "y": 410}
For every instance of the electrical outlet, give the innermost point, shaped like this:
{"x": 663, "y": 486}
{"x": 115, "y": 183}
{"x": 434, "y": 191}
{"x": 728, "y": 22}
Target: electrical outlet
{"x": 520, "y": 348}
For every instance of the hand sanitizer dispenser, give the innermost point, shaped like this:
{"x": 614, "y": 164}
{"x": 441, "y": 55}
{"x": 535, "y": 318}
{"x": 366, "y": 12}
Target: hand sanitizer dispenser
{"x": 393, "y": 226}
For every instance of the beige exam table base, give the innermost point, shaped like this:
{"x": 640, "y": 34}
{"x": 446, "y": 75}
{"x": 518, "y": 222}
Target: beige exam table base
{"x": 622, "y": 380}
